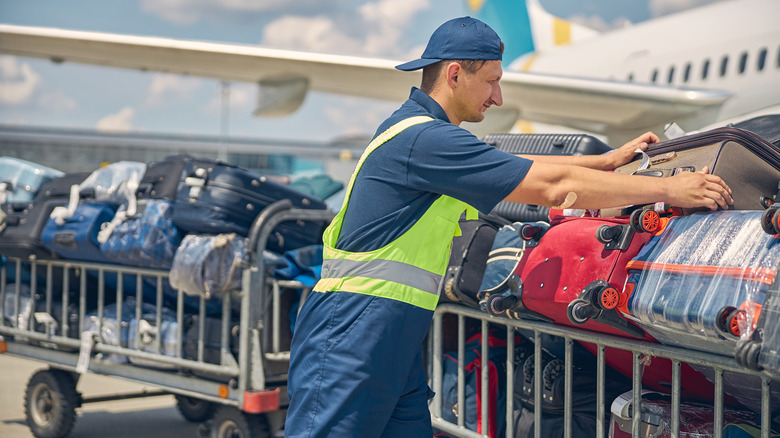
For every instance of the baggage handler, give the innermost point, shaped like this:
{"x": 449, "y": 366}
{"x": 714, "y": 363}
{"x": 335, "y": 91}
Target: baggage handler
{"x": 356, "y": 367}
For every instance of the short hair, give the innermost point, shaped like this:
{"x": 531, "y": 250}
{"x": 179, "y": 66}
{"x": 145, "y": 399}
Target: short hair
{"x": 431, "y": 73}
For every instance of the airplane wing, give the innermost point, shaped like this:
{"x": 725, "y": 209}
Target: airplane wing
{"x": 286, "y": 76}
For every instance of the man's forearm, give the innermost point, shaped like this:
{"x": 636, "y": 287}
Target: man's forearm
{"x": 598, "y": 162}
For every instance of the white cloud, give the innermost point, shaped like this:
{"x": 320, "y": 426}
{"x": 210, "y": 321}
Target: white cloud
{"x": 665, "y": 7}
{"x": 165, "y": 87}
{"x": 379, "y": 27}
{"x": 18, "y": 81}
{"x": 191, "y": 11}
{"x": 119, "y": 122}
{"x": 356, "y": 117}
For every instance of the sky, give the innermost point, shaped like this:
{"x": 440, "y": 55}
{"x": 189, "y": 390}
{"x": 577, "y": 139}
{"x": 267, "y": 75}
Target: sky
{"x": 35, "y": 92}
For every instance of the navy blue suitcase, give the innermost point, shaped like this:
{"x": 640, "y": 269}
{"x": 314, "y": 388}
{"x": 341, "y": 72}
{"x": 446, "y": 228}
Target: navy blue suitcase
{"x": 540, "y": 144}
{"x": 77, "y": 237}
{"x": 216, "y": 197}
{"x": 21, "y": 236}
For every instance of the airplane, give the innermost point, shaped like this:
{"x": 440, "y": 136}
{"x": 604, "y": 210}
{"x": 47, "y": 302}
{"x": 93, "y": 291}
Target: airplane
{"x": 708, "y": 65}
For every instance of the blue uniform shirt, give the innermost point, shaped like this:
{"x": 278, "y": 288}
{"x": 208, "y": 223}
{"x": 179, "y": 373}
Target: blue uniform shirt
{"x": 403, "y": 177}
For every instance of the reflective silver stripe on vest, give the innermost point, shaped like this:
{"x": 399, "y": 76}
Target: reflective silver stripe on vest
{"x": 387, "y": 270}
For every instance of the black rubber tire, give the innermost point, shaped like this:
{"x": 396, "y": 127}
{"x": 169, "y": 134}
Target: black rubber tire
{"x": 229, "y": 422}
{"x": 768, "y": 220}
{"x": 571, "y": 311}
{"x": 195, "y": 409}
{"x": 50, "y": 402}
{"x": 722, "y": 319}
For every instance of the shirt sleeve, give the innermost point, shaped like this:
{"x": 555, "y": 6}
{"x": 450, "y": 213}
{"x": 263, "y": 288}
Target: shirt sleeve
{"x": 450, "y": 160}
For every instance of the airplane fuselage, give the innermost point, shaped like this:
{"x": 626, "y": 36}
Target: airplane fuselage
{"x": 729, "y": 46}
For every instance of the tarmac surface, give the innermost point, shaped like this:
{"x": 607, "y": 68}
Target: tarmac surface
{"x": 150, "y": 417}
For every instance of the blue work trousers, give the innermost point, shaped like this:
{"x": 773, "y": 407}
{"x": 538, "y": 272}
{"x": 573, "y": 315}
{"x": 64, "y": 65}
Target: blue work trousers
{"x": 356, "y": 369}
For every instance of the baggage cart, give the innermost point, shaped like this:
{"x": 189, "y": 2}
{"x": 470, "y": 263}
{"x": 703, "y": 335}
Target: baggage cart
{"x": 242, "y": 393}
{"x": 454, "y": 322}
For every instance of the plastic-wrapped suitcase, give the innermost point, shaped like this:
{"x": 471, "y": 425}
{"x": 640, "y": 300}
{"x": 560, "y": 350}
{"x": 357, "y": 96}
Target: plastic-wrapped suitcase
{"x": 21, "y": 179}
{"x": 701, "y": 283}
{"x": 696, "y": 420}
{"x": 573, "y": 277}
{"x": 146, "y": 237}
{"x": 209, "y": 265}
{"x": 540, "y": 144}
{"x": 76, "y": 238}
{"x": 761, "y": 350}
{"x": 216, "y": 197}
{"x": 748, "y": 163}
{"x": 24, "y": 222}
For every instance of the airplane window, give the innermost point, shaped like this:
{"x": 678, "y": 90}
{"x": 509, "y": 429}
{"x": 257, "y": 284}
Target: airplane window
{"x": 671, "y": 74}
{"x": 724, "y": 63}
{"x": 654, "y": 77}
{"x": 687, "y": 72}
{"x": 761, "y": 59}
{"x": 778, "y": 56}
{"x": 705, "y": 68}
{"x": 742, "y": 62}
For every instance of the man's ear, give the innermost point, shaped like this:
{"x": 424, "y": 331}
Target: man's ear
{"x": 453, "y": 71}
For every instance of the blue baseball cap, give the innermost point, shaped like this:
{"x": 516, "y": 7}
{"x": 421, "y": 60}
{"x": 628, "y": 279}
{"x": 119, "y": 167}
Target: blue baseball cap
{"x": 459, "y": 38}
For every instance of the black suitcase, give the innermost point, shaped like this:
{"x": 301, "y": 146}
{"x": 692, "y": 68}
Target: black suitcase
{"x": 768, "y": 127}
{"x": 24, "y": 223}
{"x": 748, "y": 163}
{"x": 216, "y": 197}
{"x": 468, "y": 258}
{"x": 541, "y": 144}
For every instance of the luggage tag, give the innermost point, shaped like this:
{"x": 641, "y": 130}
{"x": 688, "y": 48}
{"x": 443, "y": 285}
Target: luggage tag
{"x": 85, "y": 351}
{"x": 48, "y": 321}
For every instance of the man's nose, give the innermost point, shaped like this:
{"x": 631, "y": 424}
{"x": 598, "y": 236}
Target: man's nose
{"x": 496, "y": 97}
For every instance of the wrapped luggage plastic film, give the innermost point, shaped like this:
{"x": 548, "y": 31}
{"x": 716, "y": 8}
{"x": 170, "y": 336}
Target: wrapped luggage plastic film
{"x": 725, "y": 258}
{"x": 209, "y": 265}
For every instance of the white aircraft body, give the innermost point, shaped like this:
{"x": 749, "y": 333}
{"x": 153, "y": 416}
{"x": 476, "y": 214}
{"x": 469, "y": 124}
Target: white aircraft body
{"x": 703, "y": 66}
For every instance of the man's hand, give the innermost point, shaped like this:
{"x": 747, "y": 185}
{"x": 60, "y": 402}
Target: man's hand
{"x": 626, "y": 153}
{"x": 698, "y": 189}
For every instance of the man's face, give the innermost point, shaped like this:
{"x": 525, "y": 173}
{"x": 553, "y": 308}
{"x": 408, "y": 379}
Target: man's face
{"x": 479, "y": 91}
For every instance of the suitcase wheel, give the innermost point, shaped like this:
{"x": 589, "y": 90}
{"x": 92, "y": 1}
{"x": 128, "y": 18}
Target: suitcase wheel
{"x": 722, "y": 320}
{"x": 736, "y": 319}
{"x": 645, "y": 221}
{"x": 770, "y": 221}
{"x": 609, "y": 298}
{"x": 579, "y": 311}
{"x": 551, "y": 372}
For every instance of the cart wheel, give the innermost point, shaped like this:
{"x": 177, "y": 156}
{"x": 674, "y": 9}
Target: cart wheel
{"x": 195, "y": 409}
{"x": 50, "y": 402}
{"x": 229, "y": 422}
{"x": 769, "y": 221}
{"x": 736, "y": 317}
{"x": 609, "y": 297}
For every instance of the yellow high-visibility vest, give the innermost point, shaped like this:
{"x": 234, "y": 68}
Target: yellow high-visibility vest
{"x": 410, "y": 268}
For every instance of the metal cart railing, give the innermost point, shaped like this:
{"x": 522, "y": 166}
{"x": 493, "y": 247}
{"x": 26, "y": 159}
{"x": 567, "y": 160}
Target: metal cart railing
{"x": 242, "y": 393}
{"x": 641, "y": 350}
